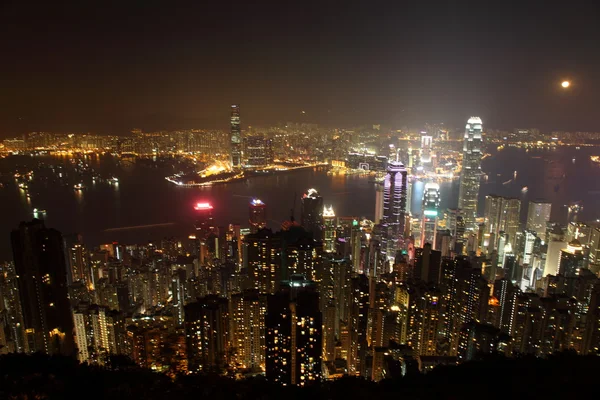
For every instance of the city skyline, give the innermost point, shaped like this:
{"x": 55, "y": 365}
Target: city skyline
{"x": 422, "y": 209}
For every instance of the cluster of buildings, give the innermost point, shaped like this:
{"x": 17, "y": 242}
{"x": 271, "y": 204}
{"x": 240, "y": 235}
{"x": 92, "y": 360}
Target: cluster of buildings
{"x": 319, "y": 297}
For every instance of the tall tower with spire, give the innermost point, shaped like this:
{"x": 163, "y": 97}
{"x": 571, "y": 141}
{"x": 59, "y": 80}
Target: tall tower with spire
{"x": 471, "y": 172}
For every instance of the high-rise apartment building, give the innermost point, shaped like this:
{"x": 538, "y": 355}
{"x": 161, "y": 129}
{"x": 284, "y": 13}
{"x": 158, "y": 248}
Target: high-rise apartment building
{"x": 257, "y": 151}
{"x": 311, "y": 216}
{"x": 247, "y": 313}
{"x": 262, "y": 259}
{"x": 78, "y": 269}
{"x": 41, "y": 269}
{"x": 207, "y": 332}
{"x": 571, "y": 259}
{"x": 294, "y": 333}
{"x": 258, "y": 215}
{"x": 378, "y": 203}
{"x": 538, "y": 215}
{"x": 357, "y": 323}
{"x": 92, "y": 333}
{"x": 236, "y": 137}
{"x": 471, "y": 172}
{"x": 329, "y": 229}
{"x": 427, "y": 264}
{"x": 429, "y": 217}
{"x": 394, "y": 208}
{"x": 502, "y": 214}
{"x": 556, "y": 242}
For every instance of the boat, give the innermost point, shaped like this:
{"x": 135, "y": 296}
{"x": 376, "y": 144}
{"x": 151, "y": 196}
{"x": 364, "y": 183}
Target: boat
{"x": 78, "y": 186}
{"x": 39, "y": 213}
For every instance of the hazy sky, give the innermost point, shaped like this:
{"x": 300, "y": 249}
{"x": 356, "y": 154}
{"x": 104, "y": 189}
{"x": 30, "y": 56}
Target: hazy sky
{"x": 108, "y": 66}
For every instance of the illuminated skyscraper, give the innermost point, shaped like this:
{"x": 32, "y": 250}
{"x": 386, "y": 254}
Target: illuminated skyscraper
{"x": 207, "y": 332}
{"x": 409, "y": 190}
{"x": 77, "y": 260}
{"x": 538, "y": 214}
{"x": 378, "y": 203}
{"x": 329, "y": 229}
{"x": 425, "y": 148}
{"x": 262, "y": 259}
{"x": 431, "y": 205}
{"x": 312, "y": 213}
{"x": 256, "y": 151}
{"x": 91, "y": 333}
{"x": 502, "y": 214}
{"x": 294, "y": 333}
{"x": 204, "y": 218}
{"x": 529, "y": 240}
{"x": 204, "y": 227}
{"x": 236, "y": 137}
{"x": 471, "y": 172}
{"x": 247, "y": 313}
{"x": 41, "y": 271}
{"x": 358, "y": 316}
{"x": 573, "y": 212}
{"x": 571, "y": 259}
{"x": 258, "y": 215}
{"x": 394, "y": 208}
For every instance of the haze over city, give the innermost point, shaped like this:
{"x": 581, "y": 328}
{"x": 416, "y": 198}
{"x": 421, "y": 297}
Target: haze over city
{"x": 112, "y": 66}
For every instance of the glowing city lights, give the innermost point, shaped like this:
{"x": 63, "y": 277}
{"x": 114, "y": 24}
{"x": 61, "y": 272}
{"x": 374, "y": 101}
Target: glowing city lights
{"x": 203, "y": 206}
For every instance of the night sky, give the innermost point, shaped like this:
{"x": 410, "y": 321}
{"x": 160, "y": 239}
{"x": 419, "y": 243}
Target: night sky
{"x": 107, "y": 67}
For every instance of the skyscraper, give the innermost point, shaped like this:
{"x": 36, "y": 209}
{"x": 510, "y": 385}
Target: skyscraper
{"x": 329, "y": 229}
{"x": 426, "y": 148}
{"x": 378, "y": 203}
{"x": 91, "y": 333}
{"x": 256, "y": 151}
{"x": 394, "y": 208}
{"x": 429, "y": 217}
{"x": 236, "y": 137}
{"x": 42, "y": 279}
{"x": 502, "y": 214}
{"x": 247, "y": 313}
{"x": 258, "y": 215}
{"x": 312, "y": 213}
{"x": 262, "y": 259}
{"x": 471, "y": 172}
{"x": 294, "y": 333}
{"x": 204, "y": 227}
{"x": 538, "y": 214}
{"x": 571, "y": 259}
{"x": 207, "y": 332}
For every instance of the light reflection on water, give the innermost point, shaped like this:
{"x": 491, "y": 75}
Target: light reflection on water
{"x": 143, "y": 196}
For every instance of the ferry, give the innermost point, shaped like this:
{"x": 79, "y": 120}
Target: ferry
{"x": 39, "y": 213}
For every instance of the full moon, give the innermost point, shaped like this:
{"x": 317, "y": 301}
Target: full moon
{"x": 565, "y": 84}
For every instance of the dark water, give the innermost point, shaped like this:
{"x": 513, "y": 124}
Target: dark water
{"x": 143, "y": 197}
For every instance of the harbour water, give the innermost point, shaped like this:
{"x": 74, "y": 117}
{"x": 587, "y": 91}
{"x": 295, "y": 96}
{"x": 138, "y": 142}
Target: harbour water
{"x": 152, "y": 208}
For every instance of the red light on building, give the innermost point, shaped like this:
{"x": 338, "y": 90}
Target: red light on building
{"x": 203, "y": 206}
